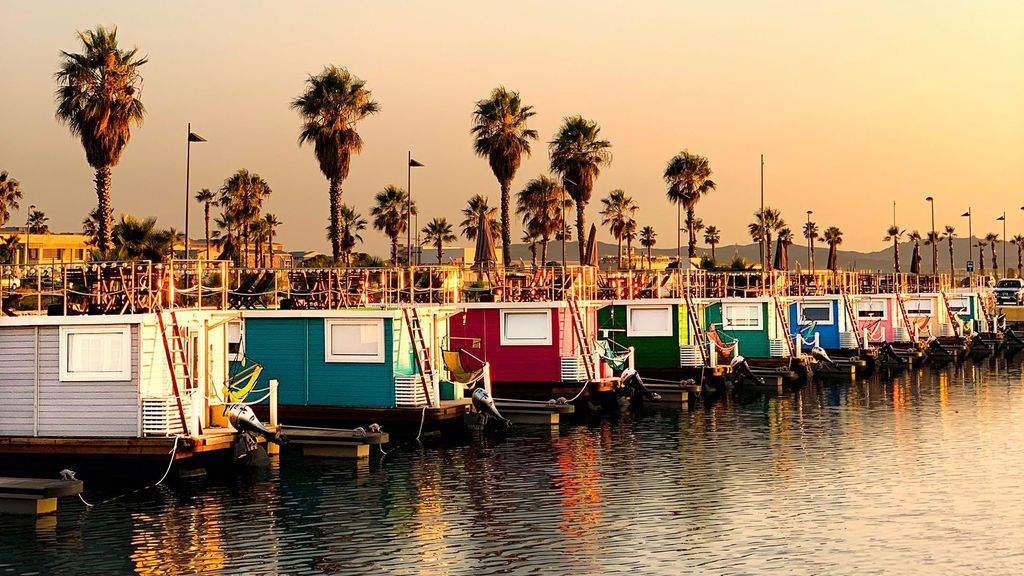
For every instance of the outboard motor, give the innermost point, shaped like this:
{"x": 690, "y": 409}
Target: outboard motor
{"x": 741, "y": 370}
{"x": 631, "y": 379}
{"x": 820, "y": 355}
{"x": 249, "y": 426}
{"x": 484, "y": 404}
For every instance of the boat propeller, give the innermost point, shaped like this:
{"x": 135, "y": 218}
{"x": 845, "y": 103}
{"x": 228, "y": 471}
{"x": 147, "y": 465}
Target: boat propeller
{"x": 631, "y": 379}
{"x": 741, "y": 369}
{"x": 484, "y": 404}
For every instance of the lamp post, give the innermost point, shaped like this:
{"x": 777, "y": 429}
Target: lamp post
{"x": 932, "y": 238}
{"x": 408, "y": 207}
{"x": 810, "y": 251}
{"x": 970, "y": 237}
{"x": 763, "y": 238}
{"x": 28, "y": 231}
{"x": 1006, "y": 269}
{"x": 192, "y": 137}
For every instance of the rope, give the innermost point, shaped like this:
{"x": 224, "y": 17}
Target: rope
{"x": 170, "y": 464}
{"x": 423, "y": 418}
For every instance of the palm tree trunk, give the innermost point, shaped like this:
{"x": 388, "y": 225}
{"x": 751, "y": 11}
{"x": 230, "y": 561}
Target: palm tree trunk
{"x": 768, "y": 251}
{"x": 1020, "y": 258}
{"x": 648, "y": 257}
{"x": 713, "y": 253}
{"x": 335, "y": 193}
{"x": 543, "y": 251}
{"x": 629, "y": 253}
{"x": 206, "y": 228}
{"x": 692, "y": 239}
{"x": 580, "y": 222}
{"x": 533, "y": 254}
{"x": 103, "y": 208}
{"x": 270, "y": 248}
{"x": 619, "y": 253}
{"x": 952, "y": 267}
{"x": 440, "y": 252}
{"x": 810, "y": 259}
{"x": 394, "y": 251}
{"x": 506, "y": 225}
{"x": 896, "y": 255}
{"x": 995, "y": 263}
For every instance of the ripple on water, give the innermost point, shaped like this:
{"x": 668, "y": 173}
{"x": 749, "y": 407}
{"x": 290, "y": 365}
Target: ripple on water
{"x": 910, "y": 475}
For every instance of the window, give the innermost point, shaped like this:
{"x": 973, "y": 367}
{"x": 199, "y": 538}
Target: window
{"x": 959, "y": 305}
{"x": 354, "y": 340}
{"x": 816, "y": 312}
{"x": 871, "y": 309}
{"x": 236, "y": 340}
{"x": 95, "y": 353}
{"x": 525, "y": 328}
{"x": 33, "y": 253}
{"x": 741, "y": 316}
{"x": 648, "y": 320}
{"x": 918, "y": 307}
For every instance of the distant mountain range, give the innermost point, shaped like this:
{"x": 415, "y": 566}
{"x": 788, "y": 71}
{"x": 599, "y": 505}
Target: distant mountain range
{"x": 848, "y": 259}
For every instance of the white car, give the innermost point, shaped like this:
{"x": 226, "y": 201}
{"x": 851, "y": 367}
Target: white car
{"x": 10, "y": 283}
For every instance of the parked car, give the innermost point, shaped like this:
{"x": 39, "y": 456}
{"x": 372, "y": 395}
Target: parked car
{"x": 1010, "y": 291}
{"x": 9, "y": 283}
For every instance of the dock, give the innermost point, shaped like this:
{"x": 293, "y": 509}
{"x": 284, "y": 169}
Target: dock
{"x": 348, "y": 443}
{"x": 34, "y": 496}
{"x": 536, "y": 412}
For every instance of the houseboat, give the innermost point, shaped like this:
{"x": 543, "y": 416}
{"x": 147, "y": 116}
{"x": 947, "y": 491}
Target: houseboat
{"x": 828, "y": 322}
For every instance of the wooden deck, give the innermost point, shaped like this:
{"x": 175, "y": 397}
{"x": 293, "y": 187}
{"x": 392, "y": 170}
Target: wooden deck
{"x": 212, "y": 440}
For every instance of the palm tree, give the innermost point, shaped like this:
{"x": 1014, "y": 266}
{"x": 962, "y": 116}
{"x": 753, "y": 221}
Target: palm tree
{"x": 762, "y": 229}
{"x": 134, "y": 238}
{"x": 894, "y": 235}
{"x": 689, "y": 179}
{"x": 37, "y": 222}
{"x": 933, "y": 238}
{"x": 9, "y": 248}
{"x": 437, "y": 232}
{"x": 577, "y": 155}
{"x": 10, "y": 194}
{"x": 389, "y": 215}
{"x": 1018, "y": 241}
{"x": 834, "y": 237}
{"x": 542, "y": 204}
{"x": 915, "y": 262}
{"x": 98, "y": 99}
{"x": 629, "y": 235}
{"x": 270, "y": 223}
{"x": 981, "y": 256}
{"x": 258, "y": 234}
{"x": 500, "y": 135}
{"x": 331, "y": 107}
{"x": 226, "y": 236}
{"x": 648, "y": 238}
{"x": 206, "y": 198}
{"x": 531, "y": 237}
{"x": 785, "y": 241}
{"x": 993, "y": 240}
{"x": 352, "y": 223}
{"x": 811, "y": 234}
{"x": 476, "y": 206}
{"x": 617, "y": 214}
{"x": 712, "y": 237}
{"x": 949, "y": 233}
{"x": 242, "y": 195}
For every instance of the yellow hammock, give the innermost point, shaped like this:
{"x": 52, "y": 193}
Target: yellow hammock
{"x": 458, "y": 372}
{"x": 242, "y": 383}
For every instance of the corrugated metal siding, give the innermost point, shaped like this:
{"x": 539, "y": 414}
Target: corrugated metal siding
{"x": 292, "y": 351}
{"x": 85, "y": 408}
{"x": 17, "y": 383}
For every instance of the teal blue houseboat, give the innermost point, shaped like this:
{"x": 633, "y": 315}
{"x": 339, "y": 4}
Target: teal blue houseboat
{"x": 350, "y": 366}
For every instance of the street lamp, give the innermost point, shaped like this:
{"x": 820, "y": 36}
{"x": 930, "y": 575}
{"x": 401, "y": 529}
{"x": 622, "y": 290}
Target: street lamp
{"x": 933, "y": 239}
{"x": 970, "y": 237}
{"x": 28, "y": 231}
{"x": 1005, "y": 267}
{"x": 192, "y": 137}
{"x": 408, "y": 208}
{"x": 810, "y": 251}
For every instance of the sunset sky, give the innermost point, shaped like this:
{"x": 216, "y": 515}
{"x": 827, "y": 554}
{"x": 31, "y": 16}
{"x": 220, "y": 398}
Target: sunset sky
{"x": 853, "y": 104}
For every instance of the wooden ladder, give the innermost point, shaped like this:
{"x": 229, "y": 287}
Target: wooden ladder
{"x": 911, "y": 328}
{"x": 953, "y": 320}
{"x": 580, "y": 332}
{"x": 851, "y": 315}
{"x": 174, "y": 350}
{"x": 698, "y": 331}
{"x": 420, "y": 350}
{"x": 780, "y": 312}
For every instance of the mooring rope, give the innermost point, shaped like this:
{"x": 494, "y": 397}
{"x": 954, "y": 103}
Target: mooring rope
{"x": 174, "y": 452}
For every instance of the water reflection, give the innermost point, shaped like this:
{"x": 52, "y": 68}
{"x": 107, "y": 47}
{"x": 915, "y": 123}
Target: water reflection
{"x": 903, "y": 473}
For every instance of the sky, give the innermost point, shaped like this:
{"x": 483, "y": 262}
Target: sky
{"x": 853, "y": 104}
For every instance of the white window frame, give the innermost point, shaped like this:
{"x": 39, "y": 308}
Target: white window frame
{"x": 545, "y": 341}
{"x": 376, "y": 358}
{"x": 966, "y": 308}
{"x": 727, "y": 325}
{"x": 637, "y": 331}
{"x": 931, "y": 308}
{"x": 885, "y": 310}
{"x": 123, "y": 374}
{"x": 831, "y": 313}
{"x": 240, "y": 355}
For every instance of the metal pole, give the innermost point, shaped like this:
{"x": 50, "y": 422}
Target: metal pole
{"x": 810, "y": 255}
{"x": 408, "y": 208}
{"x": 188, "y": 166}
{"x": 764, "y": 250}
{"x": 935, "y": 246}
{"x": 1006, "y": 269}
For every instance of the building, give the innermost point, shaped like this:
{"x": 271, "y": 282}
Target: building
{"x": 46, "y": 248}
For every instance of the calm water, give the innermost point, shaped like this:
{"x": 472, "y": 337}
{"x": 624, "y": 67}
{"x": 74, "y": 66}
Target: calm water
{"x": 914, "y": 475}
